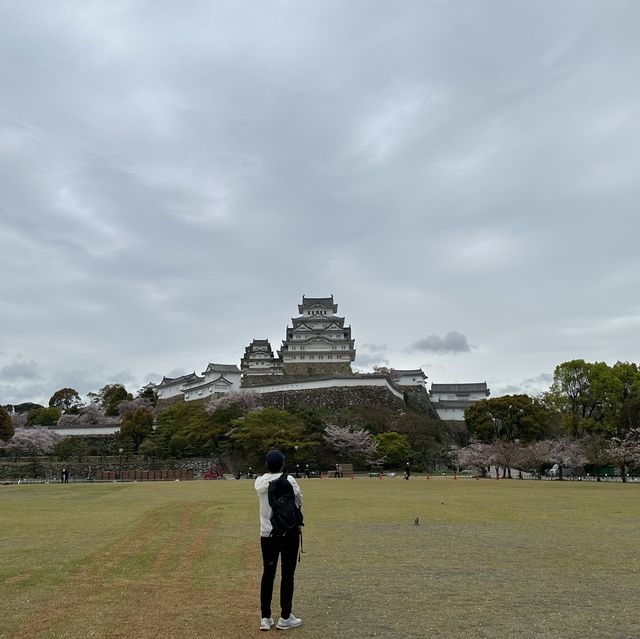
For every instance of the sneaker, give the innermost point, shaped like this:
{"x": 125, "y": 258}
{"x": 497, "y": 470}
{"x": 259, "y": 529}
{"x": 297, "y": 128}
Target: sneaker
{"x": 291, "y": 622}
{"x": 266, "y": 623}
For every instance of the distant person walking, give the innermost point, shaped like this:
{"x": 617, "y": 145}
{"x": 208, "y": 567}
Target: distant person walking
{"x": 407, "y": 470}
{"x": 274, "y": 544}
{"x": 64, "y": 477}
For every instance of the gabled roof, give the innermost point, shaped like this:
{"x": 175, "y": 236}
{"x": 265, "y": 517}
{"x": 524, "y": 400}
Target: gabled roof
{"x": 170, "y": 381}
{"x": 327, "y": 319}
{"x": 221, "y": 368}
{"x": 317, "y": 302}
{"x": 405, "y": 373}
{"x": 263, "y": 344}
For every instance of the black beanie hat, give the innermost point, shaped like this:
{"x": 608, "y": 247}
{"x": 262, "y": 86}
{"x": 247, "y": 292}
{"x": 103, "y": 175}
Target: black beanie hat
{"x": 274, "y": 461}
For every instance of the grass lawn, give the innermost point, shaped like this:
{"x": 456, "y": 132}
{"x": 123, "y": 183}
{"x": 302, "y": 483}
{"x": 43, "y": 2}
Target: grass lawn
{"x": 181, "y": 559}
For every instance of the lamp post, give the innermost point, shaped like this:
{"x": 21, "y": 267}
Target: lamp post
{"x": 120, "y": 465}
{"x": 295, "y": 459}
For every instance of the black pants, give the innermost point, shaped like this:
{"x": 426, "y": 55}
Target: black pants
{"x": 287, "y": 548}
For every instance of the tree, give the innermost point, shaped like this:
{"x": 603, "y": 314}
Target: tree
{"x": 109, "y": 398}
{"x": 244, "y": 401}
{"x": 136, "y": 426}
{"x": 594, "y": 397}
{"x": 625, "y": 451}
{"x": 424, "y": 435}
{"x": 508, "y": 418}
{"x": 477, "y": 454}
{"x": 567, "y": 453}
{"x": 26, "y": 407}
{"x": 88, "y": 416}
{"x": 6, "y": 425}
{"x": 596, "y": 450}
{"x": 31, "y": 441}
{"x": 355, "y": 444}
{"x": 43, "y": 416}
{"x": 535, "y": 456}
{"x": 393, "y": 448}
{"x": 66, "y": 399}
{"x": 69, "y": 447}
{"x": 202, "y": 433}
{"x": 149, "y": 393}
{"x": 257, "y": 432}
{"x": 131, "y": 405}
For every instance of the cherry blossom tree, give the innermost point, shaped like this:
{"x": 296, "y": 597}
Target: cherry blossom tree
{"x": 625, "y": 451}
{"x": 353, "y": 443}
{"x": 246, "y": 401}
{"x": 535, "y": 456}
{"x": 89, "y": 416}
{"x": 476, "y": 455}
{"x": 133, "y": 405}
{"x": 567, "y": 453}
{"x": 31, "y": 442}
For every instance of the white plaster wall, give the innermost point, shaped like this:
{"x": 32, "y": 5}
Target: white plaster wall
{"x": 65, "y": 432}
{"x": 169, "y": 391}
{"x": 456, "y": 414}
{"x": 409, "y": 380}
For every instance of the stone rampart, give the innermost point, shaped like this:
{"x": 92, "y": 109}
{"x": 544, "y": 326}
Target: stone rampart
{"x": 332, "y": 399}
{"x": 308, "y": 369}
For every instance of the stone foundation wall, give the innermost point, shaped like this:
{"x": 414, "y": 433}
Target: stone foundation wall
{"x": 418, "y": 399}
{"x": 79, "y": 471}
{"x": 308, "y": 369}
{"x": 334, "y": 398}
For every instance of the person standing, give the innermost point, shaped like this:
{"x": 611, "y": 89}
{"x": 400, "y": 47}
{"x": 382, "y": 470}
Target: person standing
{"x": 273, "y": 547}
{"x": 407, "y": 470}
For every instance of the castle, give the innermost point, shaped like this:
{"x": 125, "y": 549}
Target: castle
{"x": 316, "y": 353}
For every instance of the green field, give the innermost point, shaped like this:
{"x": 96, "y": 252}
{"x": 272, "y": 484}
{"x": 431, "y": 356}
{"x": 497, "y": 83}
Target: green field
{"x": 181, "y": 559}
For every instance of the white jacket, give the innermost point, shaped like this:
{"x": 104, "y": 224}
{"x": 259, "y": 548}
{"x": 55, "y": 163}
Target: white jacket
{"x": 262, "y": 488}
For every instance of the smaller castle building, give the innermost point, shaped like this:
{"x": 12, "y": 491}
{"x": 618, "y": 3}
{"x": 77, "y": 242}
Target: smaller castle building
{"x": 258, "y": 359}
{"x": 216, "y": 379}
{"x": 451, "y": 400}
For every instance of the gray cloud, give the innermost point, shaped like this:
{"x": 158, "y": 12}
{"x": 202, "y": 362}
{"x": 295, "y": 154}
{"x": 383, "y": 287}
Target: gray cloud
{"x": 453, "y": 342}
{"x": 173, "y": 182}
{"x": 20, "y": 369}
{"x": 374, "y": 348}
{"x": 367, "y": 362}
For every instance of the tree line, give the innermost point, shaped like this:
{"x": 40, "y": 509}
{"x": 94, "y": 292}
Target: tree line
{"x": 589, "y": 419}
{"x": 236, "y": 428}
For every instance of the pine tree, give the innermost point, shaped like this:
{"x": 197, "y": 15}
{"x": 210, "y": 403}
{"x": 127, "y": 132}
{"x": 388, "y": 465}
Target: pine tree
{"x": 6, "y": 426}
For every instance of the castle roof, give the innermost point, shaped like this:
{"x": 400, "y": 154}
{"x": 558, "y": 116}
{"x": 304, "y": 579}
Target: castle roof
{"x": 221, "y": 368}
{"x": 417, "y": 372}
{"x": 310, "y": 302}
{"x": 170, "y": 381}
{"x": 480, "y": 387}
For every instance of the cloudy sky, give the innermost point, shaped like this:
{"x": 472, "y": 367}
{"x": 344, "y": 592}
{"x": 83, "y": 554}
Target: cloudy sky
{"x": 463, "y": 177}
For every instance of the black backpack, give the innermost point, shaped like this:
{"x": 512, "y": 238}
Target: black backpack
{"x": 286, "y": 517}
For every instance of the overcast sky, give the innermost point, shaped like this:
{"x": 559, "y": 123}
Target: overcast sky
{"x": 462, "y": 176}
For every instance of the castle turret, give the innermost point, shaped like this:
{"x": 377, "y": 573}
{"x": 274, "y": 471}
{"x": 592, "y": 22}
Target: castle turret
{"x": 258, "y": 359}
